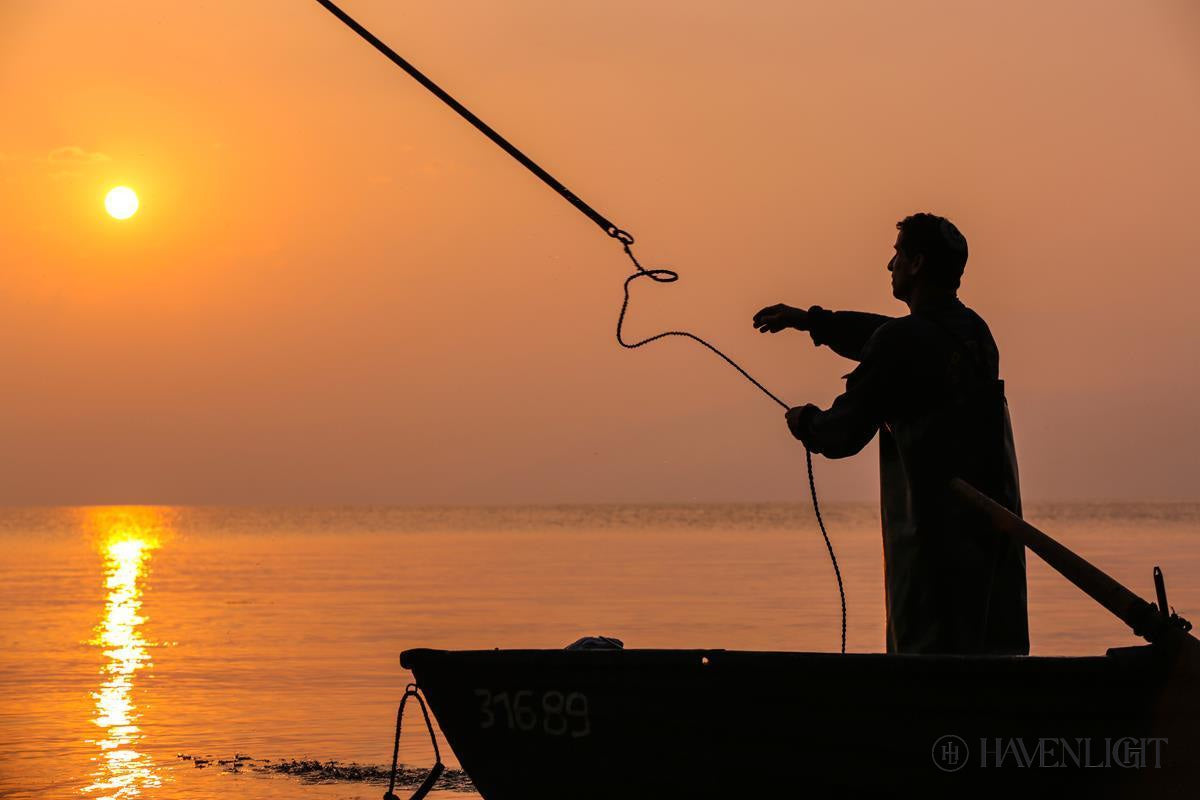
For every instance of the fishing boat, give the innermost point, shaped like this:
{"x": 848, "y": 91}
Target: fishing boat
{"x": 656, "y": 724}
{"x": 715, "y": 723}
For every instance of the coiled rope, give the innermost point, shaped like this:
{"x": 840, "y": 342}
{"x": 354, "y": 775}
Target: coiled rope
{"x": 657, "y": 275}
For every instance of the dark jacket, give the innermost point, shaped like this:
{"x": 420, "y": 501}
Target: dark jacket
{"x": 928, "y": 383}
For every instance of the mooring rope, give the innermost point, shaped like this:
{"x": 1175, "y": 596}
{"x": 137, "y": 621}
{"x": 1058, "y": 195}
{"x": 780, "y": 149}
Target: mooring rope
{"x": 438, "y": 767}
{"x": 658, "y": 275}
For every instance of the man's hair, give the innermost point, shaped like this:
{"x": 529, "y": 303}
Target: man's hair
{"x": 942, "y": 245}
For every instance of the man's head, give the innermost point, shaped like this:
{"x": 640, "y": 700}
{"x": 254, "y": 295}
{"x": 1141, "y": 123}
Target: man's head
{"x": 930, "y": 251}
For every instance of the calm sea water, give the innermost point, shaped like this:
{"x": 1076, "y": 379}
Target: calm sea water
{"x": 130, "y": 636}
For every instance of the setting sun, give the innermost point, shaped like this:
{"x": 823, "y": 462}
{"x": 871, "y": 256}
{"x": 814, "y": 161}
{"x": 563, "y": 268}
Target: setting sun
{"x": 121, "y": 202}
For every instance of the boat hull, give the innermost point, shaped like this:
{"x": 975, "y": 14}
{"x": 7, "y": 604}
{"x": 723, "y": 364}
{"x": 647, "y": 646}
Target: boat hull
{"x": 661, "y": 724}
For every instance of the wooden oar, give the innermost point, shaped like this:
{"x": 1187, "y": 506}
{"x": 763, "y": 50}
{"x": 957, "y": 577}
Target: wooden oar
{"x": 1145, "y": 618}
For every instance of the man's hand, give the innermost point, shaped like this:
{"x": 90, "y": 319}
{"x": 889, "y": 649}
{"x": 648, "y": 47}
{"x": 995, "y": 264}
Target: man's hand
{"x": 773, "y": 319}
{"x": 797, "y": 419}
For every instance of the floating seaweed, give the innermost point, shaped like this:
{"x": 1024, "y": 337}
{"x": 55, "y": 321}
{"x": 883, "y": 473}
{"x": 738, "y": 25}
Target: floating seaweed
{"x": 314, "y": 771}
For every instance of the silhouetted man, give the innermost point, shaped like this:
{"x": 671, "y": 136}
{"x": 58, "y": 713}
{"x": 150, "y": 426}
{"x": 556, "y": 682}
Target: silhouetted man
{"x": 928, "y": 383}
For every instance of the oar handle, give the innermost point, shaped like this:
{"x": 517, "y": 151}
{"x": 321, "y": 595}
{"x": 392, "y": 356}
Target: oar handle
{"x": 1141, "y": 616}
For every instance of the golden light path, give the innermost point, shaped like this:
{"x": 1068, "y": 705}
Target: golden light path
{"x": 126, "y": 537}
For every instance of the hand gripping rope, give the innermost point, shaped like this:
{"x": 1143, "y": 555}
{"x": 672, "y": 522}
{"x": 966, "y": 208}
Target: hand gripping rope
{"x": 657, "y": 275}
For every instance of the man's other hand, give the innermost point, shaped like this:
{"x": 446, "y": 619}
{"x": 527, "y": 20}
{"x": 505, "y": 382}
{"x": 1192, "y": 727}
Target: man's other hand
{"x": 797, "y": 419}
{"x": 773, "y": 319}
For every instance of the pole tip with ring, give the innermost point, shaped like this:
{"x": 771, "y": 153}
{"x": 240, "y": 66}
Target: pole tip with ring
{"x": 624, "y": 237}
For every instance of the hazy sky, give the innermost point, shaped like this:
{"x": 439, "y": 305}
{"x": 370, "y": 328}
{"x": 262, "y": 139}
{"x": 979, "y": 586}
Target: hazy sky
{"x": 337, "y": 291}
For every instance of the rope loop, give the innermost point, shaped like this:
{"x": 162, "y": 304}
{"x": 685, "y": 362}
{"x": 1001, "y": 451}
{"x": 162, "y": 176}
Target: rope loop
{"x": 660, "y": 275}
{"x": 412, "y": 690}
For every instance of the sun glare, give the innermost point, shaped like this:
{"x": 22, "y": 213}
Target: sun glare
{"x": 121, "y": 202}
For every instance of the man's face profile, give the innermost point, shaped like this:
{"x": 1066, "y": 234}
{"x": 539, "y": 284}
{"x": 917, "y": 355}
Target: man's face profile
{"x": 903, "y": 269}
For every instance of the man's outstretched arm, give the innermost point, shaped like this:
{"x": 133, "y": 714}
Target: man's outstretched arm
{"x": 844, "y": 332}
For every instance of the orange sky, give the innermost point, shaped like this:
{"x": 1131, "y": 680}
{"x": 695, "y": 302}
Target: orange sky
{"x": 336, "y": 291}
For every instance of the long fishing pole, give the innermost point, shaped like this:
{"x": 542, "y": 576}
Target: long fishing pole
{"x": 658, "y": 275}
{"x": 480, "y": 125}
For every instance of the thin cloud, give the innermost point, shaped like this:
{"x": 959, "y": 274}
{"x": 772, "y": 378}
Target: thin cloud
{"x": 76, "y": 156}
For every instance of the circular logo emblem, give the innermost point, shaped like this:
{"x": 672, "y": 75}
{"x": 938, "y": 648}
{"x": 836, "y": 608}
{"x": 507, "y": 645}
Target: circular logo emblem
{"x": 950, "y": 753}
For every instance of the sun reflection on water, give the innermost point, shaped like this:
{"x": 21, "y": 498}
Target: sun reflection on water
{"x": 126, "y": 537}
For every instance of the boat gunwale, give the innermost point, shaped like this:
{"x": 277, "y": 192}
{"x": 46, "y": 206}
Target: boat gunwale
{"x": 417, "y": 658}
